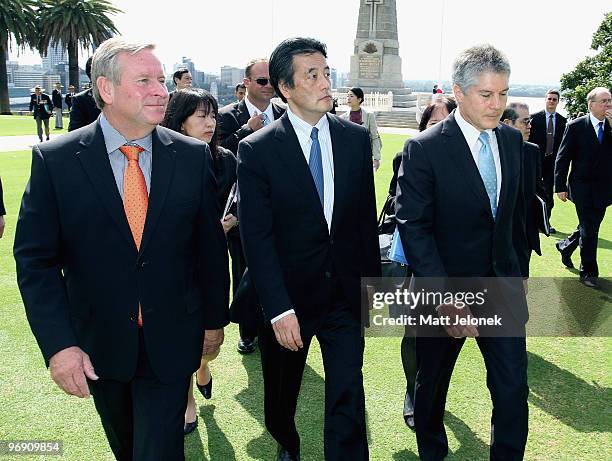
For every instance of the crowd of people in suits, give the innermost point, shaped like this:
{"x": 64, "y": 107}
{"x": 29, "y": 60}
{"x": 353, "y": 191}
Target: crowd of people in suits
{"x": 158, "y": 188}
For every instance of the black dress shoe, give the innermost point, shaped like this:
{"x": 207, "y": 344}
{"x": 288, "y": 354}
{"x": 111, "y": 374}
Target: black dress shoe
{"x": 188, "y": 428}
{"x": 552, "y": 230}
{"x": 589, "y": 281}
{"x": 408, "y": 412}
{"x": 206, "y": 389}
{"x": 283, "y": 455}
{"x": 566, "y": 256}
{"x": 246, "y": 346}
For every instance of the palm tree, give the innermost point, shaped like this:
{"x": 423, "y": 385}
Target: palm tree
{"x": 74, "y": 23}
{"x": 16, "y": 24}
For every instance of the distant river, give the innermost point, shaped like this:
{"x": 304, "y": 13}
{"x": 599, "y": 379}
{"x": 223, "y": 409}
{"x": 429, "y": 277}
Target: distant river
{"x": 536, "y": 104}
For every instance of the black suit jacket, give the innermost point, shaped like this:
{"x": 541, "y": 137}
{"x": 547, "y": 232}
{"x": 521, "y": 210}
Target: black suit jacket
{"x": 538, "y": 131}
{"x": 42, "y": 110}
{"x": 590, "y": 180}
{"x": 233, "y": 120}
{"x": 533, "y": 185}
{"x": 294, "y": 261}
{"x": 56, "y": 97}
{"x": 83, "y": 111}
{"x": 443, "y": 211}
{"x": 81, "y": 276}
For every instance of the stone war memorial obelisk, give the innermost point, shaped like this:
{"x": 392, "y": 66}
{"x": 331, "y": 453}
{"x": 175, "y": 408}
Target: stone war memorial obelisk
{"x": 376, "y": 65}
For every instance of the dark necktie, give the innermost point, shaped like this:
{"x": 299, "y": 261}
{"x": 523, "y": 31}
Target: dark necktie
{"x": 600, "y": 132}
{"x": 550, "y": 133}
{"x": 315, "y": 163}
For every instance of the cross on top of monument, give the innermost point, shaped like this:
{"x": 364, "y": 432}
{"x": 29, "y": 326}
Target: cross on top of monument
{"x": 373, "y": 4}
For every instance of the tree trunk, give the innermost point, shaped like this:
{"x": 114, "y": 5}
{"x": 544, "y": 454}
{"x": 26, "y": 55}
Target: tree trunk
{"x": 73, "y": 64}
{"x": 5, "y": 105}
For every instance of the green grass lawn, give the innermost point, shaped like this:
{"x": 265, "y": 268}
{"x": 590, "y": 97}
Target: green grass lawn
{"x": 19, "y": 125}
{"x": 570, "y": 378}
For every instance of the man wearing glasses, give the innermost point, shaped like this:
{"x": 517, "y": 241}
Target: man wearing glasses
{"x": 236, "y": 122}
{"x": 517, "y": 115}
{"x": 587, "y": 146}
{"x": 547, "y": 127}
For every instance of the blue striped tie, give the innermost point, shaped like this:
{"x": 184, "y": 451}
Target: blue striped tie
{"x": 265, "y": 119}
{"x": 316, "y": 163}
{"x": 486, "y": 166}
{"x": 600, "y": 133}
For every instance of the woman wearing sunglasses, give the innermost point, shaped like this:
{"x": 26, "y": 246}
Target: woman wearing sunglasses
{"x": 193, "y": 112}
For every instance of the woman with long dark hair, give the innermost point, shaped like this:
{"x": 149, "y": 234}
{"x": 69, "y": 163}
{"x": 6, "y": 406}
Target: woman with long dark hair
{"x": 193, "y": 112}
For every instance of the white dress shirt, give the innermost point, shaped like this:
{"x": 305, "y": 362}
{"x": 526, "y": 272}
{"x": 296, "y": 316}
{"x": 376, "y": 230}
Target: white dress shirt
{"x": 595, "y": 122}
{"x": 471, "y": 135}
{"x": 255, "y": 111}
{"x": 303, "y": 130}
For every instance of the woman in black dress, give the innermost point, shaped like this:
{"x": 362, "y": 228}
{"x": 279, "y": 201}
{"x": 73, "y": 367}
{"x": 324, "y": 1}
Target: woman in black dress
{"x": 193, "y": 112}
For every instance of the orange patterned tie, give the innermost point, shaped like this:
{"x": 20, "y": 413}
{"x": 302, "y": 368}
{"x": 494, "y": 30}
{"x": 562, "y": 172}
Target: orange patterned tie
{"x": 135, "y": 197}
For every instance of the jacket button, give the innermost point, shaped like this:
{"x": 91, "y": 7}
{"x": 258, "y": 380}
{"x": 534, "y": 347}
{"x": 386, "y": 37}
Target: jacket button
{"x": 142, "y": 264}
{"x": 331, "y": 241}
{"x": 328, "y": 275}
{"x": 132, "y": 318}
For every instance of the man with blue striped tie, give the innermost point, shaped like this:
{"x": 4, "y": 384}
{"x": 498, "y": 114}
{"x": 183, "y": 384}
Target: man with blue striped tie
{"x": 460, "y": 212}
{"x": 308, "y": 223}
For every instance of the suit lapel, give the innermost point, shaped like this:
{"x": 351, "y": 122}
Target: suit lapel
{"x": 505, "y": 167}
{"x": 290, "y": 154}
{"x": 242, "y": 113}
{"x": 162, "y": 170}
{"x": 342, "y": 161}
{"x": 461, "y": 154}
{"x": 95, "y": 161}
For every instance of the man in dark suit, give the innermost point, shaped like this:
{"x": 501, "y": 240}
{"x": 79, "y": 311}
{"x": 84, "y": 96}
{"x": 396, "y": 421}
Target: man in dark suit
{"x": 517, "y": 115}
{"x": 547, "y": 127}
{"x": 121, "y": 258}
{"x": 587, "y": 147}
{"x": 308, "y": 223}
{"x": 58, "y": 106}
{"x": 460, "y": 213}
{"x": 182, "y": 79}
{"x": 84, "y": 109}
{"x": 236, "y": 121}
{"x": 69, "y": 96}
{"x": 41, "y": 107}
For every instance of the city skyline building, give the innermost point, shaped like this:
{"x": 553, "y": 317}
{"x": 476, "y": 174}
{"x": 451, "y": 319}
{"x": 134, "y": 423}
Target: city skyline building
{"x": 56, "y": 54}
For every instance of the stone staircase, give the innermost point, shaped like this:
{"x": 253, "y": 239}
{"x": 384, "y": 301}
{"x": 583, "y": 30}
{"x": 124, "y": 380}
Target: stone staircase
{"x": 397, "y": 119}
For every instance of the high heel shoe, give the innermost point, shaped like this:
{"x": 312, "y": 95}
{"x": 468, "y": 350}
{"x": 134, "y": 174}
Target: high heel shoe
{"x": 206, "y": 389}
{"x": 188, "y": 428}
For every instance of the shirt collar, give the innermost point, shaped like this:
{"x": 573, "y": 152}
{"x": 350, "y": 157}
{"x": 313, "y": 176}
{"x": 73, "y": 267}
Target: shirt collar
{"x": 254, "y": 110}
{"x": 304, "y": 128}
{"x": 470, "y": 132}
{"x": 548, "y": 114}
{"x": 114, "y": 140}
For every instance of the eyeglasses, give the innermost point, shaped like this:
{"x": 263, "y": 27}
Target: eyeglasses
{"x": 525, "y": 121}
{"x": 604, "y": 101}
{"x": 262, "y": 81}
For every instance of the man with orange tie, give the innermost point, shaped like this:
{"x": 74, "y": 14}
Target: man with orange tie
{"x": 121, "y": 259}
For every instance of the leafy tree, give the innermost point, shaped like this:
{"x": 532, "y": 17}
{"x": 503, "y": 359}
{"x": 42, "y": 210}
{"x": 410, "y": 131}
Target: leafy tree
{"x": 592, "y": 72}
{"x": 74, "y": 23}
{"x": 16, "y": 24}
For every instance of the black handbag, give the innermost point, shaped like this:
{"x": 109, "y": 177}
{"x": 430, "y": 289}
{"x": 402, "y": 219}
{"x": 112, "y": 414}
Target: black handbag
{"x": 394, "y": 274}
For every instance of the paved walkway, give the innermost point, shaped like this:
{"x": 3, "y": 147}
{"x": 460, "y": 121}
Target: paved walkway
{"x": 11, "y": 143}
